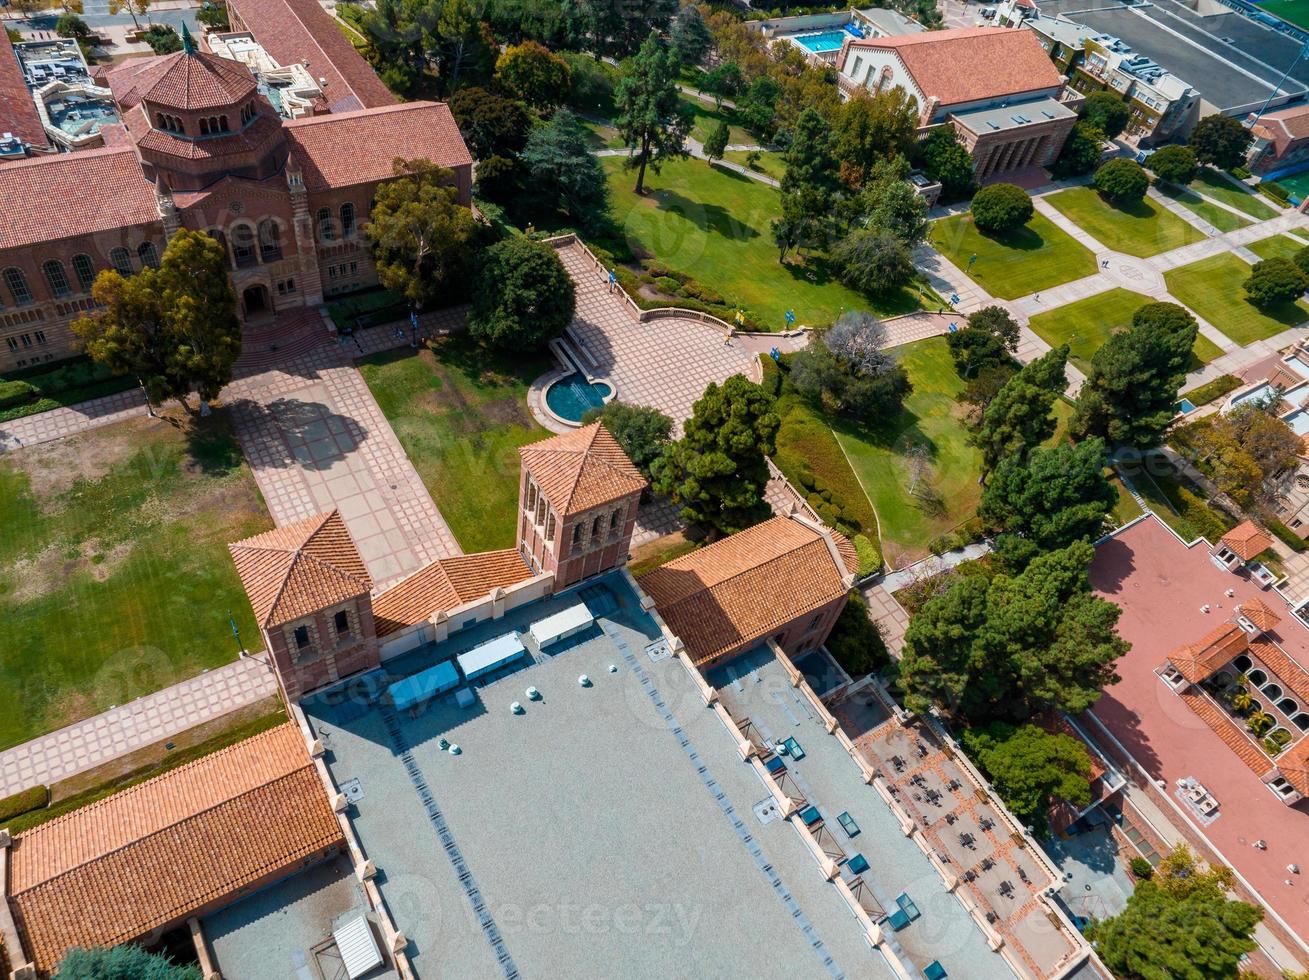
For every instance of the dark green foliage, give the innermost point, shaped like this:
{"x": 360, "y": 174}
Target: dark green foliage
{"x": 1122, "y": 181}
{"x": 523, "y": 295}
{"x": 652, "y": 117}
{"x": 976, "y": 351}
{"x": 1030, "y": 767}
{"x": 873, "y": 262}
{"x": 998, "y": 208}
{"x": 643, "y": 432}
{"x": 1130, "y": 396}
{"x": 999, "y": 323}
{"x": 16, "y": 393}
{"x": 1141, "y": 868}
{"x": 534, "y": 74}
{"x": 1081, "y": 152}
{"x": 1285, "y": 534}
{"x": 717, "y": 471}
{"x": 888, "y": 203}
{"x": 1019, "y": 417}
{"x": 1301, "y": 260}
{"x": 757, "y": 109}
{"x": 491, "y": 124}
{"x": 162, "y": 38}
{"x": 691, "y": 39}
{"x": 1106, "y": 112}
{"x": 716, "y": 145}
{"x": 1274, "y": 282}
{"x": 500, "y": 179}
{"x": 123, "y": 963}
{"x": 872, "y": 128}
{"x": 1210, "y": 390}
{"x": 1175, "y": 164}
{"x": 1011, "y": 646}
{"x": 847, "y": 370}
{"x": 809, "y": 187}
{"x": 1056, "y": 496}
{"x": 67, "y": 383}
{"x": 563, "y": 174}
{"x": 856, "y": 642}
{"x": 1221, "y": 141}
{"x": 944, "y": 159}
{"x": 22, "y": 802}
{"x": 70, "y": 25}
{"x": 724, "y": 80}
{"x": 213, "y": 16}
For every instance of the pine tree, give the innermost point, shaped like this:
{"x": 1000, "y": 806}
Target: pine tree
{"x": 1019, "y": 418}
{"x": 652, "y": 118}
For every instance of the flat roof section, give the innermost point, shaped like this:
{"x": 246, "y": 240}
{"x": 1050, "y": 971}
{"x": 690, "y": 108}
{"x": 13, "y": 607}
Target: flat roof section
{"x": 594, "y": 845}
{"x": 1161, "y": 586}
{"x": 996, "y": 119}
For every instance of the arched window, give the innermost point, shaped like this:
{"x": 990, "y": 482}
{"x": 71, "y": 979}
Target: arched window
{"x": 17, "y": 283}
{"x": 243, "y": 246}
{"x": 161, "y": 121}
{"x": 222, "y": 124}
{"x": 221, "y": 239}
{"x": 326, "y": 231}
{"x": 347, "y": 220}
{"x": 270, "y": 240}
{"x": 148, "y": 254}
{"x": 204, "y": 127}
{"x": 85, "y": 272}
{"x": 121, "y": 260}
{"x": 53, "y": 270}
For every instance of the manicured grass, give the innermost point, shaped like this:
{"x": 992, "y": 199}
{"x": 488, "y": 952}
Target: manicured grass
{"x": 603, "y": 136}
{"x": 770, "y": 164}
{"x": 1214, "y": 289}
{"x": 707, "y": 119}
{"x": 1219, "y": 217}
{"x": 932, "y": 418}
{"x": 115, "y": 579}
{"x": 1088, "y": 323}
{"x": 1215, "y": 185}
{"x": 1125, "y": 508}
{"x": 1141, "y": 229}
{"x": 461, "y": 413}
{"x": 1277, "y": 246}
{"x": 660, "y": 551}
{"x": 1294, "y": 11}
{"x": 1035, "y": 257}
{"x": 715, "y": 225}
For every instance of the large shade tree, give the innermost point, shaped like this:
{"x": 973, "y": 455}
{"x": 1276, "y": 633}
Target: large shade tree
{"x": 1030, "y": 767}
{"x": 652, "y": 117}
{"x": 1020, "y": 417}
{"x": 523, "y": 296}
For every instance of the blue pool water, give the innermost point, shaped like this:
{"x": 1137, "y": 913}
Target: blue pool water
{"x": 572, "y": 396}
{"x": 817, "y": 43}
{"x": 1185, "y": 406}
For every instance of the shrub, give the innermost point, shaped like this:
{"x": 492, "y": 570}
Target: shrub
{"x": 772, "y": 382}
{"x": 162, "y": 38}
{"x": 753, "y": 159}
{"x": 1274, "y": 190}
{"x": 1107, "y": 112}
{"x": 870, "y": 559}
{"x": 1175, "y": 164}
{"x": 998, "y": 208}
{"x": 16, "y": 393}
{"x": 1285, "y": 534}
{"x": 695, "y": 290}
{"x": 1211, "y": 390}
{"x": 1275, "y": 281}
{"x": 1240, "y": 173}
{"x": 1121, "y": 180}
{"x": 22, "y": 802}
{"x": 667, "y": 284}
{"x": 856, "y": 641}
{"x": 1142, "y": 869}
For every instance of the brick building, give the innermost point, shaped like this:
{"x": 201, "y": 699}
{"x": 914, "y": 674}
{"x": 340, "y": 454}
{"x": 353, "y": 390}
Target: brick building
{"x": 202, "y": 147}
{"x": 995, "y": 86}
{"x": 1281, "y": 143}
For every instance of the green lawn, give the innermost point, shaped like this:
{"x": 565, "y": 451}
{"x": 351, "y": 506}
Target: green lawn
{"x": 1219, "y": 217}
{"x": 1125, "y": 508}
{"x": 1295, "y": 11}
{"x": 115, "y": 579}
{"x": 602, "y": 135}
{"x": 714, "y": 225}
{"x": 1278, "y": 246}
{"x": 461, "y": 414}
{"x": 933, "y": 419}
{"x": 1214, "y": 184}
{"x": 1141, "y": 229}
{"x": 1213, "y": 288}
{"x": 707, "y": 119}
{"x": 1088, "y": 323}
{"x": 1035, "y": 257}
{"x": 770, "y": 164}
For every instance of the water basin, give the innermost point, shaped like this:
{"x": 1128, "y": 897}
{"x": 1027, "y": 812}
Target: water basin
{"x": 572, "y": 396}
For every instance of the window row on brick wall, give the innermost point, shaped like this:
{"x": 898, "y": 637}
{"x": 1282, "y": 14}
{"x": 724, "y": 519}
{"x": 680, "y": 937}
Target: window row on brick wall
{"x": 60, "y": 282}
{"x": 327, "y": 223}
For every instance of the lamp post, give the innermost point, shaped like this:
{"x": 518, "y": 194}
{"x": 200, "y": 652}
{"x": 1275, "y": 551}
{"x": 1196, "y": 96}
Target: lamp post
{"x": 240, "y": 648}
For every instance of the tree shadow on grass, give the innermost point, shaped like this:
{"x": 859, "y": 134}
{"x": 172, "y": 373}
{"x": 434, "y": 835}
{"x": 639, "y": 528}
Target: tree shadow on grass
{"x": 1019, "y": 239}
{"x": 706, "y": 217}
{"x": 211, "y": 443}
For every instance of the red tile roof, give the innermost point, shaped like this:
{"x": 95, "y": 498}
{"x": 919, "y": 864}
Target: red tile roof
{"x": 301, "y": 30}
{"x": 1294, "y": 765}
{"x": 1226, "y": 729}
{"x": 348, "y": 148}
{"x": 184, "y": 81}
{"x": 292, "y": 571}
{"x": 444, "y": 584}
{"x": 1247, "y": 539}
{"x": 1293, "y": 122}
{"x": 1259, "y": 614}
{"x": 581, "y": 469}
{"x": 969, "y": 64}
{"x": 1222, "y": 645}
{"x": 47, "y": 198}
{"x": 18, "y": 113}
{"x": 260, "y": 135}
{"x": 1283, "y": 667}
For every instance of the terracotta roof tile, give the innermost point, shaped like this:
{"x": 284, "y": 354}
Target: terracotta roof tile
{"x": 1218, "y": 648}
{"x": 152, "y": 854}
{"x": 1294, "y": 122}
{"x": 1226, "y": 729}
{"x": 1247, "y": 539}
{"x": 1282, "y": 666}
{"x": 291, "y": 571}
{"x": 741, "y": 589}
{"x": 301, "y": 30}
{"x": 258, "y": 136}
{"x": 37, "y": 195}
{"x": 445, "y": 584}
{"x": 581, "y": 469}
{"x": 184, "y": 81}
{"x": 969, "y": 64}
{"x": 18, "y": 113}
{"x": 348, "y": 148}
{"x": 1294, "y": 765}
{"x": 1259, "y": 614}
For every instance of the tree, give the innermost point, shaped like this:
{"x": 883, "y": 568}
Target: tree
{"x": 976, "y": 351}
{"x": 162, "y": 38}
{"x": 1122, "y": 181}
{"x": 856, "y": 641}
{"x": 1081, "y": 150}
{"x": 1019, "y": 418}
{"x": 174, "y": 328}
{"x": 123, "y": 963}
{"x": 1011, "y": 646}
{"x": 1301, "y": 259}
{"x": 809, "y": 186}
{"x": 213, "y": 15}
{"x": 652, "y": 118}
{"x": 458, "y": 28}
{"x": 849, "y": 371}
{"x": 716, "y": 145}
{"x": 1029, "y": 767}
{"x": 999, "y": 323}
{"x": 1001, "y": 208}
{"x": 1175, "y": 164}
{"x": 1107, "y": 112}
{"x": 619, "y": 28}
{"x": 1275, "y": 281}
{"x": 718, "y": 470}
{"x": 724, "y": 81}
{"x": 874, "y": 127}
{"x": 1243, "y": 451}
{"x": 1130, "y": 395}
{"x": 873, "y": 262}
{"x": 523, "y": 295}
{"x": 690, "y": 37}
{"x": 1056, "y": 496}
{"x": 888, "y": 203}
{"x": 644, "y": 433}
{"x": 563, "y": 171}
{"x": 757, "y": 109}
{"x": 533, "y": 73}
{"x": 70, "y": 25}
{"x": 491, "y": 124}
{"x": 1221, "y": 141}
{"x": 1179, "y": 925}
{"x": 946, "y": 160}
{"x": 419, "y": 234}
{"x": 134, "y": 8}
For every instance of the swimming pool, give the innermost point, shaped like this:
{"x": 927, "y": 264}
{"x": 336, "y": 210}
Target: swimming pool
{"x": 819, "y": 43}
{"x": 572, "y": 396}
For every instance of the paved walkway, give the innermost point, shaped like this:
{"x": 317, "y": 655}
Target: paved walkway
{"x": 146, "y": 721}
{"x": 60, "y": 422}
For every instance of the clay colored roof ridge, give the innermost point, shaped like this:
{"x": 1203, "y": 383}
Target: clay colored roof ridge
{"x": 1258, "y": 614}
{"x": 1219, "y": 647}
{"x": 1247, "y": 540}
{"x": 1284, "y": 667}
{"x": 581, "y": 469}
{"x": 1226, "y": 729}
{"x": 444, "y": 584}
{"x": 1294, "y": 765}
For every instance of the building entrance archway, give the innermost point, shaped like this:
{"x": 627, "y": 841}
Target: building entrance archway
{"x": 256, "y": 302}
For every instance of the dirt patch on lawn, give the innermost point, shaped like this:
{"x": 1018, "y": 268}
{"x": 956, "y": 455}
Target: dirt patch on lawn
{"x": 53, "y": 467}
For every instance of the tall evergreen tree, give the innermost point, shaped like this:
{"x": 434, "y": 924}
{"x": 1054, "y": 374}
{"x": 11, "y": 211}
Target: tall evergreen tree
{"x": 652, "y": 118}
{"x": 690, "y": 37}
{"x": 872, "y": 128}
{"x": 564, "y": 173}
{"x": 810, "y": 186}
{"x": 1019, "y": 418}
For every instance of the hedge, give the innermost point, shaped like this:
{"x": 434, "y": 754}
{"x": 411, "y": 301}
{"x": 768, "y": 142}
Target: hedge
{"x": 22, "y": 802}
{"x": 1275, "y": 191}
{"x": 811, "y": 458}
{"x": 16, "y": 393}
{"x": 48, "y": 386}
{"x": 870, "y": 559}
{"x": 969, "y": 532}
{"x": 1210, "y": 390}
{"x": 1287, "y": 536}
